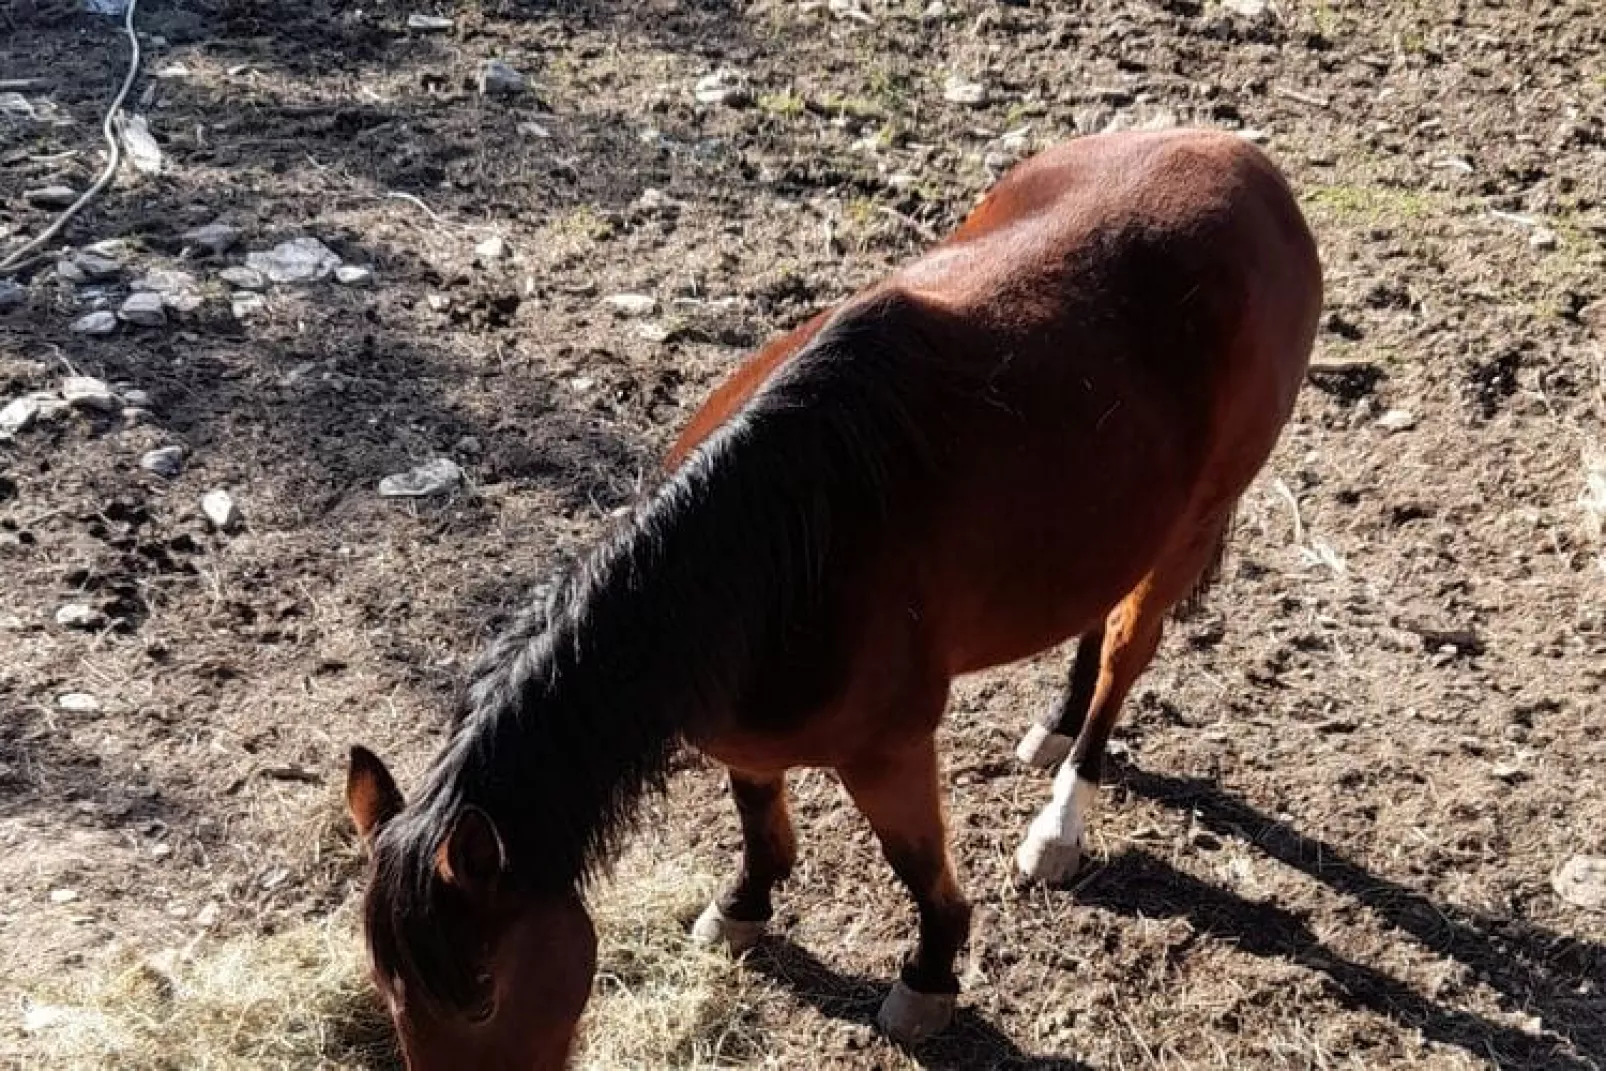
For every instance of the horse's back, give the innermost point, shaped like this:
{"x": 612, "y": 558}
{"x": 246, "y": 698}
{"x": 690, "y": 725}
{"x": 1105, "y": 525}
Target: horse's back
{"x": 1136, "y": 312}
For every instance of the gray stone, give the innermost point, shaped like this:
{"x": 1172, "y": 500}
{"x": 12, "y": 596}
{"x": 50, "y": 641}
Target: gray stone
{"x": 300, "y": 260}
{"x": 51, "y": 196}
{"x": 724, "y": 86}
{"x": 1544, "y": 239}
{"x": 430, "y": 478}
{"x": 1581, "y": 881}
{"x": 220, "y": 509}
{"x": 164, "y": 281}
{"x": 632, "y": 304}
{"x": 244, "y": 278}
{"x": 78, "y": 703}
{"x": 499, "y": 78}
{"x": 79, "y": 615}
{"x": 492, "y": 248}
{"x": 961, "y": 90}
{"x": 167, "y": 461}
{"x": 141, "y": 147}
{"x": 214, "y": 238}
{"x": 354, "y": 275}
{"x": 143, "y": 308}
{"x": 96, "y": 267}
{"x": 429, "y": 23}
{"x": 17, "y": 415}
{"x": 1397, "y": 420}
{"x": 70, "y": 273}
{"x": 87, "y": 392}
{"x": 247, "y": 304}
{"x": 12, "y": 295}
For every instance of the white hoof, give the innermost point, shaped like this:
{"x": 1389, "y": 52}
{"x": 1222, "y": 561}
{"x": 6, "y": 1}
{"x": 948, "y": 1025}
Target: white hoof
{"x": 1048, "y": 862}
{"x": 713, "y": 930}
{"x": 1042, "y": 748}
{"x": 908, "y": 1017}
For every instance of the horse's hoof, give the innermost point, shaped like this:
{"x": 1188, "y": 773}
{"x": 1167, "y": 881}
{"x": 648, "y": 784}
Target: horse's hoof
{"x": 714, "y": 930}
{"x": 909, "y": 1017}
{"x": 1043, "y": 748}
{"x": 1048, "y": 862}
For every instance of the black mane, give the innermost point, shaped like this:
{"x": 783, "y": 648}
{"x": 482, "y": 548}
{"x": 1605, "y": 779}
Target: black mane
{"x": 668, "y": 626}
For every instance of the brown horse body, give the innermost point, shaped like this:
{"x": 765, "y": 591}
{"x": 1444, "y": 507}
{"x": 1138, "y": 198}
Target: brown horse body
{"x": 1036, "y": 431}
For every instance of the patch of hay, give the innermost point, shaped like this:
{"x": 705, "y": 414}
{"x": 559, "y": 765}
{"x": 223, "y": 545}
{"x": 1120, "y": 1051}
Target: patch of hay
{"x": 660, "y": 1002}
{"x": 294, "y": 1000}
{"x": 302, "y": 1000}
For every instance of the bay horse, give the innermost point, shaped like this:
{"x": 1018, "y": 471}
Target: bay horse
{"x": 1036, "y": 431}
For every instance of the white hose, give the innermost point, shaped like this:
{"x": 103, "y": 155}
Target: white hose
{"x": 14, "y": 262}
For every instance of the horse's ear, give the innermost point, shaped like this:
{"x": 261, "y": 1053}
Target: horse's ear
{"x": 371, "y": 793}
{"x": 472, "y": 857}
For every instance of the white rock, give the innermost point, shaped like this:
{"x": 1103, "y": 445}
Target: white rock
{"x": 51, "y": 196}
{"x": 429, "y": 23}
{"x": 63, "y": 896}
{"x": 1397, "y": 420}
{"x": 724, "y": 86}
{"x": 632, "y": 304}
{"x": 165, "y": 461}
{"x": 79, "y": 615}
{"x": 17, "y": 415}
{"x": 497, "y": 77}
{"x": 68, "y": 272}
{"x": 1544, "y": 238}
{"x": 135, "y": 396}
{"x": 163, "y": 281}
{"x": 12, "y": 295}
{"x": 1249, "y": 9}
{"x": 354, "y": 275}
{"x": 145, "y": 308}
{"x": 533, "y": 130}
{"x": 1581, "y": 881}
{"x": 300, "y": 260}
{"x": 244, "y": 278}
{"x": 246, "y": 304}
{"x": 430, "y": 478}
{"x": 96, "y": 267}
{"x": 219, "y": 507}
{"x": 492, "y": 248}
{"x": 934, "y": 11}
{"x": 100, "y": 322}
{"x": 214, "y": 238}
{"x": 87, "y": 392}
{"x": 961, "y": 90}
{"x": 438, "y": 302}
{"x": 78, "y": 703}
{"x": 143, "y": 152}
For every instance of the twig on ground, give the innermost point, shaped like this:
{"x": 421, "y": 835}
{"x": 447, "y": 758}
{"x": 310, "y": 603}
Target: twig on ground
{"x": 1287, "y": 495}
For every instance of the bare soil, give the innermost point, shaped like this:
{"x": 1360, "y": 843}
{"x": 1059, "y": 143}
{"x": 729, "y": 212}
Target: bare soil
{"x": 1343, "y": 789}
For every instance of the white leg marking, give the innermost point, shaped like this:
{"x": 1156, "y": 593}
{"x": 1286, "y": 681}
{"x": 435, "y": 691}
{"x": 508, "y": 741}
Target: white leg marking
{"x": 1052, "y": 849}
{"x": 1043, "y": 748}
{"x": 714, "y": 931}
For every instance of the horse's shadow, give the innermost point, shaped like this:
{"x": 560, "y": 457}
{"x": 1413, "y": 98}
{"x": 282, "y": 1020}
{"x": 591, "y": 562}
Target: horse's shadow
{"x": 971, "y": 1043}
{"x": 1534, "y": 970}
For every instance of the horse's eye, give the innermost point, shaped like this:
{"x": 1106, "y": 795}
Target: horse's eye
{"x": 483, "y": 1010}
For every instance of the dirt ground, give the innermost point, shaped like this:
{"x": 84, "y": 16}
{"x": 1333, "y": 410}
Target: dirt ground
{"x": 1343, "y": 790}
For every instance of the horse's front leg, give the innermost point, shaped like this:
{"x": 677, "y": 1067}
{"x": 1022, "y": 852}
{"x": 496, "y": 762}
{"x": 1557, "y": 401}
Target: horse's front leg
{"x": 737, "y": 918}
{"x": 899, "y": 793}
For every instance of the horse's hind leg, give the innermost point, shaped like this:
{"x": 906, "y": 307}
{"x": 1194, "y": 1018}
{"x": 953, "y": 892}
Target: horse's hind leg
{"x": 1050, "y": 738}
{"x": 900, "y": 796}
{"x": 736, "y": 920}
{"x": 1052, "y": 849}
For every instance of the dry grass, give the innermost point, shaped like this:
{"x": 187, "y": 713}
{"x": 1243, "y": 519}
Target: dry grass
{"x": 300, "y": 999}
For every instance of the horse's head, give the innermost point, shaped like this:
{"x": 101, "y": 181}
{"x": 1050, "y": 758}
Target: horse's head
{"x": 478, "y": 970}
